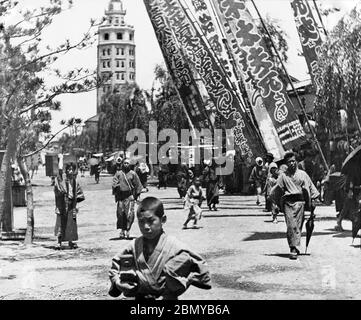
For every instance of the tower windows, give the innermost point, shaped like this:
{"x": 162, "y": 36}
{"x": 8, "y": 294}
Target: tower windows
{"x": 117, "y": 51}
{"x": 108, "y": 52}
{"x": 120, "y": 36}
{"x": 122, "y": 76}
{"x": 106, "y": 36}
{"x": 131, "y": 36}
{"x": 117, "y": 64}
{"x": 103, "y": 52}
{"x": 122, "y": 52}
{"x": 123, "y": 64}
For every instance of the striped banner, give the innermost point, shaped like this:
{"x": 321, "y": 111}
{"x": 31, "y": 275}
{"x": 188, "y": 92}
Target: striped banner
{"x": 246, "y": 138}
{"x": 208, "y": 27}
{"x": 310, "y": 38}
{"x": 252, "y": 54}
{"x": 179, "y": 70}
{"x": 267, "y": 129}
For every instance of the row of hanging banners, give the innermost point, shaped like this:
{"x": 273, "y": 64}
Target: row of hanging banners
{"x": 218, "y": 42}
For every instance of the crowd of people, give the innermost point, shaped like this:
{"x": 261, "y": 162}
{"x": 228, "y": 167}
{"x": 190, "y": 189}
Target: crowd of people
{"x": 155, "y": 265}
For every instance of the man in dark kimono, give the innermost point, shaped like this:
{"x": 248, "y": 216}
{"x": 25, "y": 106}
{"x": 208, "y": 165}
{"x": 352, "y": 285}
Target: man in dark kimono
{"x": 352, "y": 197}
{"x": 211, "y": 180}
{"x": 67, "y": 194}
{"x": 163, "y": 176}
{"x": 182, "y": 180}
{"x": 126, "y": 189}
{"x": 298, "y": 191}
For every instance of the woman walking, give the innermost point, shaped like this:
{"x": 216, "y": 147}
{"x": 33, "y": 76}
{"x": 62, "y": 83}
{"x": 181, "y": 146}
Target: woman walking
{"x": 67, "y": 194}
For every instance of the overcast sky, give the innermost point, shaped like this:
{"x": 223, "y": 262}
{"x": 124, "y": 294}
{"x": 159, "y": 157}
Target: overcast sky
{"x": 73, "y": 23}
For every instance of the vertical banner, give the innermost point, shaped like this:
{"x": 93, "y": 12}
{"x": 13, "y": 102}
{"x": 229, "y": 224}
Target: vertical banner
{"x": 310, "y": 38}
{"x": 251, "y": 50}
{"x": 246, "y": 137}
{"x": 267, "y": 129}
{"x": 179, "y": 70}
{"x": 208, "y": 26}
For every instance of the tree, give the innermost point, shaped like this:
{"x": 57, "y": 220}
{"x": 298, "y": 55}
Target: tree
{"x": 121, "y": 111}
{"x": 340, "y": 66}
{"x": 279, "y": 39}
{"x": 25, "y": 98}
{"x": 167, "y": 109}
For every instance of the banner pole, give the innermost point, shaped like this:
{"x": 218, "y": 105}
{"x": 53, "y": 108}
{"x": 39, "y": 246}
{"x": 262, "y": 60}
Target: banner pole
{"x": 195, "y": 22}
{"x": 248, "y": 110}
{"x": 320, "y": 17}
{"x": 293, "y": 87}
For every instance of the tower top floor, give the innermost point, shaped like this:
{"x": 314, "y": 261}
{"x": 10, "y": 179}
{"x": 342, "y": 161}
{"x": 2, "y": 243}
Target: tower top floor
{"x": 115, "y": 16}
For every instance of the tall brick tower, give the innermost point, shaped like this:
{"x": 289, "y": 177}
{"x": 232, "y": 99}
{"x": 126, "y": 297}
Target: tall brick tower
{"x": 116, "y": 50}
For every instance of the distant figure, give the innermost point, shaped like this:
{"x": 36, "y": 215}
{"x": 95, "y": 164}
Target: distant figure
{"x": 163, "y": 176}
{"x": 82, "y": 168}
{"x": 351, "y": 208}
{"x": 270, "y": 183}
{"x": 142, "y": 171}
{"x": 193, "y": 203}
{"x": 156, "y": 265}
{"x": 268, "y": 160}
{"x": 68, "y": 194}
{"x": 258, "y": 178}
{"x": 182, "y": 180}
{"x": 97, "y": 170}
{"x": 211, "y": 180}
{"x": 17, "y": 177}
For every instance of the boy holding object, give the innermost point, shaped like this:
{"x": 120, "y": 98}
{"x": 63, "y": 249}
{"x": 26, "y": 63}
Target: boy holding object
{"x": 155, "y": 265}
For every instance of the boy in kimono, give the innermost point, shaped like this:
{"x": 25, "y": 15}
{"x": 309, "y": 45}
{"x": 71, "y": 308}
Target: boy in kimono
{"x": 156, "y": 265}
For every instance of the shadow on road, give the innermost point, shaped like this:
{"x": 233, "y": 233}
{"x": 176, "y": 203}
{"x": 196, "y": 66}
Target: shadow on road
{"x": 233, "y": 215}
{"x": 284, "y": 255}
{"x": 119, "y": 239}
{"x": 278, "y": 235}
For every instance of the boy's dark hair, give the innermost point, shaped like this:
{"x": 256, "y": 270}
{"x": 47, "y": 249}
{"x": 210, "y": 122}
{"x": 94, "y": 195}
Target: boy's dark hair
{"x": 152, "y": 204}
{"x": 69, "y": 166}
{"x": 289, "y": 155}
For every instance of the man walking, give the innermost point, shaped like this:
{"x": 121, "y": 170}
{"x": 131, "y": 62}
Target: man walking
{"x": 298, "y": 192}
{"x": 126, "y": 189}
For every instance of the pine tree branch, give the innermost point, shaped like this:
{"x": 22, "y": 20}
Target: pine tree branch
{"x": 47, "y": 143}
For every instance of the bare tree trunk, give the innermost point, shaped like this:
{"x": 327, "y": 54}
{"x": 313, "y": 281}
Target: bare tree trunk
{"x": 5, "y": 169}
{"x": 29, "y": 236}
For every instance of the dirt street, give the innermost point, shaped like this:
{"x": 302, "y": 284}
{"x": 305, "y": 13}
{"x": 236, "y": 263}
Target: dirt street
{"x": 246, "y": 253}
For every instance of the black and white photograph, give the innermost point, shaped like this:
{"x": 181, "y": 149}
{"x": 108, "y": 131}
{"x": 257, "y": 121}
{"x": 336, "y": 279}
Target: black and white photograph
{"x": 182, "y": 150}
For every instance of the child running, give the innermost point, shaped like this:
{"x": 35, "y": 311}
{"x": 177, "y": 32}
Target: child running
{"x": 155, "y": 265}
{"x": 193, "y": 203}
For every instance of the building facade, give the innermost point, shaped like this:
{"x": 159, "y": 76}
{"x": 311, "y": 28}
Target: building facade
{"x": 116, "y": 51}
